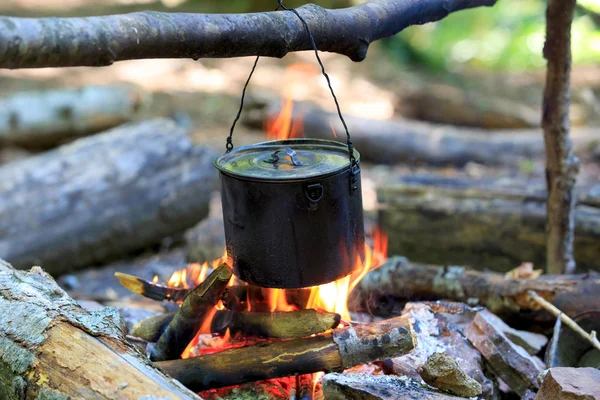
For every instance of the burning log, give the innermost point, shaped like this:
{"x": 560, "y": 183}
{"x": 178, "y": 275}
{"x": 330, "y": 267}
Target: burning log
{"x": 510, "y": 216}
{"x": 52, "y": 348}
{"x": 396, "y": 141}
{"x": 57, "y": 42}
{"x": 335, "y": 351}
{"x": 297, "y": 297}
{"x": 399, "y": 279}
{"x": 277, "y": 324}
{"x": 106, "y": 196}
{"x": 186, "y": 322}
{"x": 43, "y": 119}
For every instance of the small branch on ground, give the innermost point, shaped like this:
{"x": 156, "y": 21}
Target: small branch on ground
{"x": 591, "y": 337}
{"x": 561, "y": 165}
{"x": 99, "y": 41}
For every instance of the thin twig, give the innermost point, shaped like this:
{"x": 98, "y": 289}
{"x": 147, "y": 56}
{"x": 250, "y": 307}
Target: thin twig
{"x": 591, "y": 337}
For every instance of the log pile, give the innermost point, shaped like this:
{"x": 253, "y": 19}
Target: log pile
{"x": 493, "y": 224}
{"x": 104, "y": 196}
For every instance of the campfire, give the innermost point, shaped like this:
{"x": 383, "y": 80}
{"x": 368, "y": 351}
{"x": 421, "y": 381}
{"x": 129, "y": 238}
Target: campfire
{"x": 246, "y": 315}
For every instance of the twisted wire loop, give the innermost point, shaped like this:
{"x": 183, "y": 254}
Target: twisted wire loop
{"x": 229, "y": 145}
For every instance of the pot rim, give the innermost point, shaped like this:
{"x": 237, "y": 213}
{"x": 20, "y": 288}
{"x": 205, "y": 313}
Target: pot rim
{"x": 283, "y": 142}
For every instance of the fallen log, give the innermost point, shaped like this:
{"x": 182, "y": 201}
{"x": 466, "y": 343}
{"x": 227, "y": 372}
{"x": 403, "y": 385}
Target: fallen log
{"x": 52, "y": 348}
{"x": 195, "y": 309}
{"x": 277, "y": 324}
{"x": 103, "y": 197}
{"x": 404, "y": 141}
{"x": 485, "y": 224}
{"x": 332, "y": 352}
{"x": 44, "y": 119}
{"x": 399, "y": 279}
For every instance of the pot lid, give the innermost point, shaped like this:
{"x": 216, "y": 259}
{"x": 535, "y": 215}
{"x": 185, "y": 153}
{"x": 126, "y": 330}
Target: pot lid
{"x": 289, "y": 159}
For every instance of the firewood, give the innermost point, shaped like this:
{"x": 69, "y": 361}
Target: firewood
{"x": 400, "y": 279}
{"x": 278, "y": 324}
{"x": 46, "y": 118}
{"x": 398, "y": 140}
{"x": 378, "y": 387}
{"x": 103, "y": 197}
{"x": 151, "y": 328}
{"x": 288, "y": 325}
{"x": 335, "y": 351}
{"x": 506, "y": 360}
{"x": 158, "y": 292}
{"x": 52, "y": 348}
{"x": 443, "y": 372}
{"x": 186, "y": 322}
{"x": 493, "y": 224}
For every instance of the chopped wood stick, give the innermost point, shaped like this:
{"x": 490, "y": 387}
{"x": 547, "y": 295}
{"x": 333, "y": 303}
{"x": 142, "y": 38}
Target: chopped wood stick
{"x": 288, "y": 325}
{"x": 185, "y": 324}
{"x": 335, "y": 351}
{"x": 398, "y": 278}
{"x": 231, "y": 301}
{"x": 151, "y": 328}
{"x": 591, "y": 337}
{"x": 151, "y": 290}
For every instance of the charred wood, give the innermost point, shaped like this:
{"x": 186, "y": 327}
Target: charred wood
{"x": 336, "y": 351}
{"x": 103, "y": 197}
{"x": 396, "y": 141}
{"x": 197, "y": 306}
{"x": 44, "y": 119}
{"x": 57, "y": 42}
{"x": 44, "y": 334}
{"x": 487, "y": 224}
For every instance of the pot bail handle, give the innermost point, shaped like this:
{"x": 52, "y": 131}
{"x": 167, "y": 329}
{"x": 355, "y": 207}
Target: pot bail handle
{"x": 229, "y": 143}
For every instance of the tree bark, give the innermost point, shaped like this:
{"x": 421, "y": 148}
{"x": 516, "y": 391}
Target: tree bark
{"x": 51, "y": 348}
{"x": 59, "y": 42}
{"x": 485, "y": 224}
{"x": 400, "y": 279}
{"x": 44, "y": 119}
{"x": 103, "y": 197}
{"x": 333, "y": 352}
{"x": 396, "y": 140}
{"x": 561, "y": 165}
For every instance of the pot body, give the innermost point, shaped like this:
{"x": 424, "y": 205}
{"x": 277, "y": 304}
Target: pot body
{"x": 293, "y": 234}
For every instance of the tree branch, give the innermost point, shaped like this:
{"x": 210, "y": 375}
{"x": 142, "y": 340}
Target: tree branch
{"x": 98, "y": 41}
{"x": 561, "y": 165}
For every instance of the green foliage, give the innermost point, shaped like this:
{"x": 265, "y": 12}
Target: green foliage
{"x": 508, "y": 36}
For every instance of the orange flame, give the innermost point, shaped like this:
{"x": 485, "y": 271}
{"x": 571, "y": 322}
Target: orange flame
{"x": 333, "y": 296}
{"x": 286, "y": 125}
{"x": 278, "y": 301}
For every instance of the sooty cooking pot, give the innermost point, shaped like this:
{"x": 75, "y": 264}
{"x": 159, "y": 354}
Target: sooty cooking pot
{"x": 292, "y": 211}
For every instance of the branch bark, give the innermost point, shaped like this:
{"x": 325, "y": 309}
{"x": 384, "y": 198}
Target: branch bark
{"x": 561, "y": 164}
{"x": 98, "y": 41}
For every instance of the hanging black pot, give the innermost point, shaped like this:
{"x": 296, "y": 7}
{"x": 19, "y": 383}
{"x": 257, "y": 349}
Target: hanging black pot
{"x": 292, "y": 208}
{"x": 292, "y": 211}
